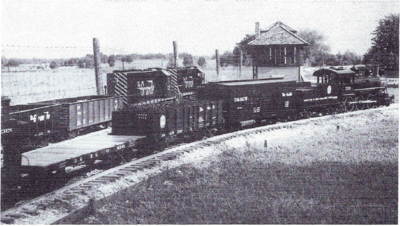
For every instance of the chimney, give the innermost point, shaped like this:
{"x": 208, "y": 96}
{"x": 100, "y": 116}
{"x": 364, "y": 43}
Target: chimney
{"x": 257, "y": 29}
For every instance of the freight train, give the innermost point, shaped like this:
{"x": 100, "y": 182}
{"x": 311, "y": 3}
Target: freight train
{"x": 155, "y": 114}
{"x": 232, "y": 105}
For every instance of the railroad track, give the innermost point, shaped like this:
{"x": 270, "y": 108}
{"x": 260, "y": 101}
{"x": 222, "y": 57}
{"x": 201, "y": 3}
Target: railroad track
{"x": 74, "y": 202}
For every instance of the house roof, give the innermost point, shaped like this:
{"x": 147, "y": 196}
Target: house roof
{"x": 279, "y": 23}
{"x": 278, "y": 34}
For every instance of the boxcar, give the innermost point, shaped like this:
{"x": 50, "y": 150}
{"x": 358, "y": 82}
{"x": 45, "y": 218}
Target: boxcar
{"x": 149, "y": 86}
{"x": 252, "y": 101}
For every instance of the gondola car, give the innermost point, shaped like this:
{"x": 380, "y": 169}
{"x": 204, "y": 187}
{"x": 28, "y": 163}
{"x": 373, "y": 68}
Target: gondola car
{"x": 36, "y": 124}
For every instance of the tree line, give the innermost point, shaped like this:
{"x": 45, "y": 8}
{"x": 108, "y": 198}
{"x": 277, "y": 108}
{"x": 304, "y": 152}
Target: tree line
{"x": 384, "y": 51}
{"x": 88, "y": 60}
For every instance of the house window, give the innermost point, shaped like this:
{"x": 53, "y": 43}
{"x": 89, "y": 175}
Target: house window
{"x": 285, "y": 53}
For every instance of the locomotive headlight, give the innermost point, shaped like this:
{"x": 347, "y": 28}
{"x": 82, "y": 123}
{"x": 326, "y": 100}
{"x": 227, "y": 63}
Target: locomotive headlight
{"x": 162, "y": 121}
{"x": 329, "y": 89}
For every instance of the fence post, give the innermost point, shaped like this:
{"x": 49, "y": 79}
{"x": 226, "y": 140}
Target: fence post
{"x": 97, "y": 61}
{"x": 217, "y": 60}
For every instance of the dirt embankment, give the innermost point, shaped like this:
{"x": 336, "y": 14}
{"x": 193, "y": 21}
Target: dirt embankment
{"x": 339, "y": 170}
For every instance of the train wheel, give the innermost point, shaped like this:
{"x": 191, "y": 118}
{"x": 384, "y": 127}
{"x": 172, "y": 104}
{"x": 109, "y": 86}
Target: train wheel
{"x": 368, "y": 98}
{"x": 360, "y": 106}
{"x": 330, "y": 111}
{"x": 304, "y": 114}
{"x": 346, "y": 104}
{"x": 72, "y": 134}
{"x": 292, "y": 117}
{"x": 372, "y": 105}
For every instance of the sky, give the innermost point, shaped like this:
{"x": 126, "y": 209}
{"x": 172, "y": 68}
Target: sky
{"x": 66, "y": 28}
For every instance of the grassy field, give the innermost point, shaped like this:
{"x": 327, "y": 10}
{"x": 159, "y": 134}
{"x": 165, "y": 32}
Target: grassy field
{"x": 340, "y": 171}
{"x": 65, "y": 82}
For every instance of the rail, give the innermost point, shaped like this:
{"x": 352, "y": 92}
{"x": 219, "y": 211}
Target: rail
{"x": 71, "y": 203}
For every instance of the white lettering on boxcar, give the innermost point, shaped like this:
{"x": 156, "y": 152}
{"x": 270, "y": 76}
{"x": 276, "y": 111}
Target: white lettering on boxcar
{"x": 240, "y": 99}
{"x": 145, "y": 87}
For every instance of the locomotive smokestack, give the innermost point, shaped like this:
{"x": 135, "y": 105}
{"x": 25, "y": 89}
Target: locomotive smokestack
{"x": 175, "y": 53}
{"x": 257, "y": 29}
{"x": 97, "y": 61}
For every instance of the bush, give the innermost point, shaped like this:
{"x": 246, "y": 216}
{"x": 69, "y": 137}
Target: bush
{"x": 54, "y": 64}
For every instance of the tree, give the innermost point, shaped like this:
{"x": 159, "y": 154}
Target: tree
{"x": 111, "y": 61}
{"x": 227, "y": 59}
{"x": 349, "y": 58}
{"x": 188, "y": 60}
{"x": 54, "y": 64}
{"x": 86, "y": 62}
{"x": 13, "y": 63}
{"x": 385, "y": 44}
{"x": 129, "y": 59}
{"x": 4, "y": 61}
{"x": 242, "y": 45}
{"x": 202, "y": 62}
{"x": 317, "y": 51}
{"x": 103, "y": 58}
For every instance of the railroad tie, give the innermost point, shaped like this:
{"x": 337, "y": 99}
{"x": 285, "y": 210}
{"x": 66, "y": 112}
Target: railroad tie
{"x": 101, "y": 180}
{"x": 7, "y": 220}
{"x": 129, "y": 169}
{"x": 111, "y": 178}
{"x": 89, "y": 186}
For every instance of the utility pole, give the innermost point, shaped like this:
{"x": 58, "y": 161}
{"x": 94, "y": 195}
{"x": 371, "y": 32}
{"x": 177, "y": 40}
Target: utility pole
{"x": 217, "y": 60}
{"x": 97, "y": 61}
{"x": 240, "y": 63}
{"x": 175, "y": 44}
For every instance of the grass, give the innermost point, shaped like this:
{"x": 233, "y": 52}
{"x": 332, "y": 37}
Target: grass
{"x": 328, "y": 175}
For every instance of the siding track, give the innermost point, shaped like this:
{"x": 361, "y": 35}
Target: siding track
{"x": 75, "y": 201}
